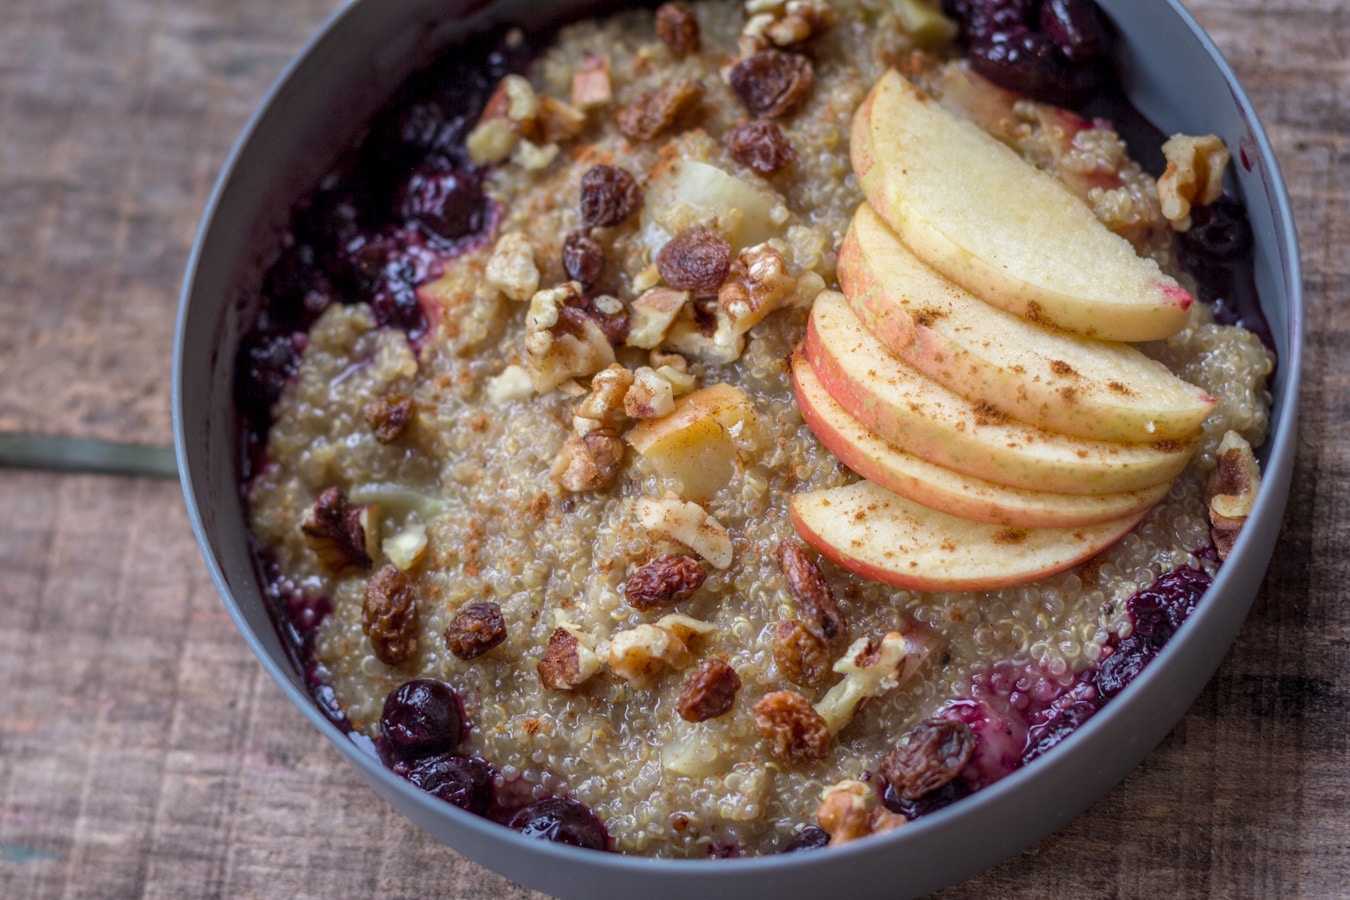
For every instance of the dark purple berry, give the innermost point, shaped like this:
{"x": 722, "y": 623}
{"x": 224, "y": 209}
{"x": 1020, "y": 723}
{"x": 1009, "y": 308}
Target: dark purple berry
{"x": 264, "y": 364}
{"x": 985, "y": 18}
{"x": 1076, "y": 28}
{"x": 563, "y": 821}
{"x": 446, "y": 205}
{"x": 812, "y": 837}
{"x": 1158, "y": 610}
{"x": 464, "y": 781}
{"x": 422, "y": 717}
{"x": 1021, "y": 61}
{"x": 1219, "y": 231}
{"x": 1042, "y": 737}
{"x": 1123, "y": 665}
{"x": 931, "y": 802}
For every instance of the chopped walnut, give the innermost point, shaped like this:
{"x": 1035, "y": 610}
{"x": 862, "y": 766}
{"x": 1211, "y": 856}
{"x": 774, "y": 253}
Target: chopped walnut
{"x": 761, "y": 146}
{"x": 639, "y": 653}
{"x": 651, "y": 395}
{"x": 705, "y": 331}
{"x": 794, "y": 730}
{"x": 1231, "y": 491}
{"x": 562, "y": 340}
{"x": 849, "y": 810}
{"x": 677, "y": 27}
{"x": 815, "y": 600}
{"x": 784, "y": 23}
{"x": 511, "y": 268}
{"x": 591, "y": 87}
{"x": 801, "y": 653}
{"x": 697, "y": 259}
{"x": 567, "y": 662}
{"x": 933, "y": 755}
{"x": 869, "y": 669}
{"x": 515, "y": 117}
{"x": 559, "y": 121}
{"x": 685, "y": 522}
{"x": 773, "y": 83}
{"x": 605, "y": 401}
{"x": 657, "y": 111}
{"x": 757, "y": 284}
{"x": 1194, "y": 176}
{"x": 389, "y": 415}
{"x": 609, "y": 195}
{"x": 589, "y": 462}
{"x": 389, "y": 616}
{"x": 664, "y": 581}
{"x": 337, "y": 532}
{"x": 475, "y": 629}
{"x": 652, "y": 315}
{"x": 708, "y": 692}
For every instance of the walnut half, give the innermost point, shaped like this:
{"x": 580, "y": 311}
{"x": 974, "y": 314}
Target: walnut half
{"x": 1231, "y": 491}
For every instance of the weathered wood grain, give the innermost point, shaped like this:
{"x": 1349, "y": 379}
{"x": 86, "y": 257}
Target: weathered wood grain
{"x": 143, "y": 752}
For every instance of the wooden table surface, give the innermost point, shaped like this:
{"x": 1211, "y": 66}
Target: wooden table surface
{"x": 143, "y": 750}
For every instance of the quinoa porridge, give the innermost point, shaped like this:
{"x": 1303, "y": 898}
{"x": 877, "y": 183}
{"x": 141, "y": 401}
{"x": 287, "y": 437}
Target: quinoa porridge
{"x": 465, "y": 470}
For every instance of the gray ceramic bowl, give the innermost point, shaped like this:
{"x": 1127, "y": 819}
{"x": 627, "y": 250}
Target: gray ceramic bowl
{"x": 1172, "y": 72}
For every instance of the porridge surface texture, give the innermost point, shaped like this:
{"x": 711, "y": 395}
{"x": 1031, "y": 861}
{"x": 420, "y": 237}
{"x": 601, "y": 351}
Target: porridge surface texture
{"x": 475, "y": 474}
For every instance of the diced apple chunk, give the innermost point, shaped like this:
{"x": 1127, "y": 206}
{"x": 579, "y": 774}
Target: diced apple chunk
{"x": 686, "y": 192}
{"x": 698, "y": 445}
{"x": 686, "y": 523}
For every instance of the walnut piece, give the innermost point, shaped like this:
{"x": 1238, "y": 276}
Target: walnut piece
{"x": 1194, "y": 176}
{"x": 475, "y": 629}
{"x": 517, "y": 120}
{"x": 511, "y": 268}
{"x": 389, "y": 415}
{"x": 783, "y": 23}
{"x": 337, "y": 532}
{"x": 650, "y": 396}
{"x": 677, "y": 27}
{"x": 664, "y": 581}
{"x": 563, "y": 339}
{"x": 652, "y": 315}
{"x": 870, "y": 668}
{"x": 758, "y": 283}
{"x": 657, "y": 111}
{"x": 933, "y": 754}
{"x": 685, "y": 522}
{"x": 606, "y": 398}
{"x": 849, "y": 810}
{"x": 389, "y": 616}
{"x": 591, "y": 86}
{"x": 1231, "y": 491}
{"x": 708, "y": 692}
{"x": 589, "y": 462}
{"x": 638, "y": 653}
{"x": 567, "y": 662}
{"x": 793, "y": 729}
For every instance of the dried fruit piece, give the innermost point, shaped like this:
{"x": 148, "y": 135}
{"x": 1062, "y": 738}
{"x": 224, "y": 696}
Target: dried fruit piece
{"x": 656, "y": 111}
{"x": 773, "y": 83}
{"x": 475, "y": 629}
{"x": 815, "y": 600}
{"x": 708, "y": 692}
{"x": 336, "y": 531}
{"x": 677, "y": 27}
{"x": 761, "y": 145}
{"x": 697, "y": 259}
{"x": 389, "y": 616}
{"x": 609, "y": 194}
{"x": 801, "y": 653}
{"x": 664, "y": 581}
{"x": 389, "y": 415}
{"x": 934, "y": 753}
{"x": 583, "y": 257}
{"x": 792, "y": 727}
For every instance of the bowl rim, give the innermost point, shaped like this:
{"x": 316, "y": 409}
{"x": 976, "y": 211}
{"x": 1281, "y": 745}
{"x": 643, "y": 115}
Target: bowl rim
{"x": 1270, "y": 503}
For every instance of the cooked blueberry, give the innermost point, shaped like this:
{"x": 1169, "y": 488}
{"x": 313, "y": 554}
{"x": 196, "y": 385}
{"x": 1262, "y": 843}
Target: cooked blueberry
{"x": 1123, "y": 665}
{"x": 1219, "y": 230}
{"x": 984, "y": 18}
{"x": 465, "y": 781}
{"x": 812, "y": 837}
{"x": 422, "y": 717}
{"x": 931, "y": 802}
{"x": 446, "y": 205}
{"x": 1040, "y": 738}
{"x": 1076, "y": 28}
{"x": 561, "y": 820}
{"x": 264, "y": 364}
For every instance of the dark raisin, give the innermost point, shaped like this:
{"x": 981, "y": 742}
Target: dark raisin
{"x": 389, "y": 415}
{"x": 583, "y": 258}
{"x": 773, "y": 83}
{"x": 677, "y": 27}
{"x": 464, "y": 781}
{"x": 563, "y": 821}
{"x": 333, "y": 530}
{"x": 1076, "y": 28}
{"x": 475, "y": 629}
{"x": 422, "y": 717}
{"x": 664, "y": 581}
{"x": 389, "y": 616}
{"x": 815, "y": 600}
{"x": 609, "y": 194}
{"x": 761, "y": 146}
{"x": 446, "y": 205}
{"x": 710, "y": 691}
{"x": 657, "y": 111}
{"x": 697, "y": 259}
{"x": 934, "y": 753}
{"x": 811, "y": 837}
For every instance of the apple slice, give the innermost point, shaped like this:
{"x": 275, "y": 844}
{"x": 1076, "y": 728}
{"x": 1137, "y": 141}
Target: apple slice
{"x": 922, "y": 417}
{"x": 941, "y": 488}
{"x": 880, "y": 535}
{"x": 998, "y": 226}
{"x": 1102, "y": 390}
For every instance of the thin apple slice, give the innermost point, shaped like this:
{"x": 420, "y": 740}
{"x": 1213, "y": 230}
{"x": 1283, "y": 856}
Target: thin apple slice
{"x": 943, "y": 489}
{"x": 995, "y": 224}
{"x": 1103, "y": 390}
{"x": 924, "y": 418}
{"x": 880, "y": 535}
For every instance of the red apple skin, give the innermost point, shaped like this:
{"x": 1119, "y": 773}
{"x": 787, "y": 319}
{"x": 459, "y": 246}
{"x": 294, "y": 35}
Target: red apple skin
{"x": 946, "y": 490}
{"x": 905, "y": 551}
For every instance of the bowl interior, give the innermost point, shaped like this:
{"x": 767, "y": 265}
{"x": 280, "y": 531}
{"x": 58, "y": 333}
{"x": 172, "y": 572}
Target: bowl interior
{"x": 323, "y": 99}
